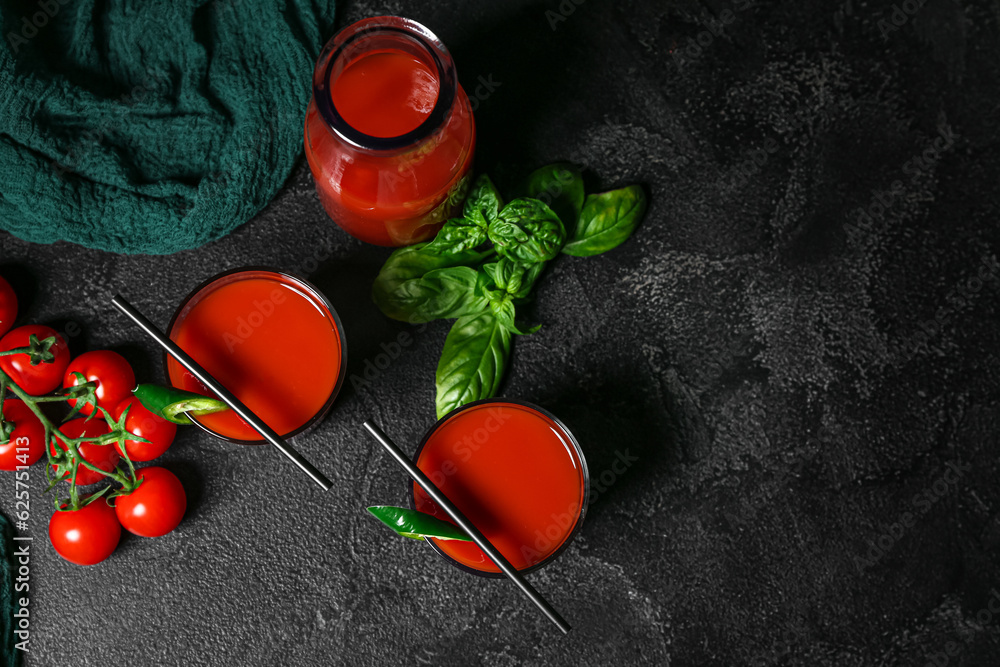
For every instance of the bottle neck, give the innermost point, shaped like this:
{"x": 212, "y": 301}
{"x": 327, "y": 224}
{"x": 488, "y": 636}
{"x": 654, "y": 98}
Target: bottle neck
{"x": 384, "y": 34}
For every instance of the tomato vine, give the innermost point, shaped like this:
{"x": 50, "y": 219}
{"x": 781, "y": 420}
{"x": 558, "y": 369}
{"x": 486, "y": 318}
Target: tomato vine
{"x": 64, "y": 462}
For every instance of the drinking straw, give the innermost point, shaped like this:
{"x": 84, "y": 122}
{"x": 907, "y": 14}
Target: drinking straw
{"x": 456, "y": 515}
{"x": 227, "y": 396}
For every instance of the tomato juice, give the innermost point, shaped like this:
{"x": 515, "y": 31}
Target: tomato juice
{"x": 389, "y": 133}
{"x": 272, "y": 340}
{"x": 515, "y": 472}
{"x": 385, "y": 93}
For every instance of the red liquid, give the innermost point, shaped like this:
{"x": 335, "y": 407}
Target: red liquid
{"x": 385, "y": 94}
{"x": 514, "y": 473}
{"x": 399, "y": 197}
{"x": 266, "y": 340}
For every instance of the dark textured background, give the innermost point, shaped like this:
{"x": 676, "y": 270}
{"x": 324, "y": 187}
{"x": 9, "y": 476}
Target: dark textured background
{"x": 768, "y": 368}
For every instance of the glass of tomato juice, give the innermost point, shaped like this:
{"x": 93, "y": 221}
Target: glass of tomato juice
{"x": 516, "y": 472}
{"x": 389, "y": 132}
{"x": 269, "y": 337}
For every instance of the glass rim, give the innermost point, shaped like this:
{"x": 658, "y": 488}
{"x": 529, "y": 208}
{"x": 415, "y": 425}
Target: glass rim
{"x": 320, "y": 298}
{"x": 440, "y": 59}
{"x": 584, "y": 471}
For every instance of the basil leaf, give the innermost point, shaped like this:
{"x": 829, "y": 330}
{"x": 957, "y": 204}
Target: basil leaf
{"x": 439, "y": 294}
{"x": 607, "y": 219}
{"x": 513, "y": 277}
{"x": 527, "y": 230}
{"x": 458, "y": 235}
{"x": 408, "y": 287}
{"x": 505, "y": 312}
{"x": 560, "y": 186}
{"x": 506, "y": 274}
{"x": 505, "y": 283}
{"x": 472, "y": 362}
{"x": 528, "y": 280}
{"x": 484, "y": 202}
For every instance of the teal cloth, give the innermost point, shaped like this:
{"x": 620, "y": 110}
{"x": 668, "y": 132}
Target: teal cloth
{"x": 9, "y": 655}
{"x": 150, "y": 126}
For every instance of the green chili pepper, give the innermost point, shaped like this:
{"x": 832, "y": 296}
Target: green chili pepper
{"x": 173, "y": 404}
{"x": 416, "y": 525}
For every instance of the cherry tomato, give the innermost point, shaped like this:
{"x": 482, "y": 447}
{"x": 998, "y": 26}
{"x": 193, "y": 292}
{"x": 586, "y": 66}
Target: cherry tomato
{"x": 104, "y": 457}
{"x": 145, "y": 424}
{"x": 114, "y": 376}
{"x": 8, "y": 306}
{"x": 27, "y": 441}
{"x": 44, "y": 377}
{"x": 85, "y": 536}
{"x": 156, "y": 507}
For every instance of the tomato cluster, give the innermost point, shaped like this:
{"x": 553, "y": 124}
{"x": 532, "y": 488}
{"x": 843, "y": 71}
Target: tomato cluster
{"x": 155, "y": 506}
{"x": 90, "y": 534}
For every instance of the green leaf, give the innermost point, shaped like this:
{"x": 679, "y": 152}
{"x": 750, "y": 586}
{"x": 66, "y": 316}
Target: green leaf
{"x": 417, "y": 284}
{"x": 531, "y": 274}
{"x": 560, "y": 186}
{"x": 505, "y": 312}
{"x": 440, "y": 294}
{"x": 506, "y": 274}
{"x": 527, "y": 230}
{"x": 458, "y": 235}
{"x": 483, "y": 204}
{"x": 513, "y": 277}
{"x": 173, "y": 404}
{"x": 508, "y": 280}
{"x": 606, "y": 221}
{"x": 472, "y": 362}
{"x": 416, "y": 525}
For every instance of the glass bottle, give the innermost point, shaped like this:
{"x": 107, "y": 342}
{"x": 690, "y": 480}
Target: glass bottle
{"x": 389, "y": 133}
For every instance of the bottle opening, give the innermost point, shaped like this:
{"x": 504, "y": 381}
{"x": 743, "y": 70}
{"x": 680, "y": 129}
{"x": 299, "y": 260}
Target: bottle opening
{"x": 387, "y": 84}
{"x": 385, "y": 93}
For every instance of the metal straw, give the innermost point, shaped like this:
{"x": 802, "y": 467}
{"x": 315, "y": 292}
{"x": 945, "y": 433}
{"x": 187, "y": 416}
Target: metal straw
{"x": 227, "y": 396}
{"x": 466, "y": 525}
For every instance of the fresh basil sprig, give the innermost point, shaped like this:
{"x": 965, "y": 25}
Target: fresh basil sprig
{"x": 506, "y": 283}
{"x": 481, "y": 266}
{"x": 513, "y": 277}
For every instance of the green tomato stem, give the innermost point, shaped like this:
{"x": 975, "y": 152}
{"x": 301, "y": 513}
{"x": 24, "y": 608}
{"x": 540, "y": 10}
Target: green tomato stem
{"x": 49, "y": 399}
{"x": 56, "y": 458}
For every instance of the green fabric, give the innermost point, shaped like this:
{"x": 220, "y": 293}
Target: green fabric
{"x": 9, "y": 655}
{"x": 150, "y": 126}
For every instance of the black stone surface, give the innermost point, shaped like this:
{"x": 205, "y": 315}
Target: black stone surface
{"x": 795, "y": 384}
